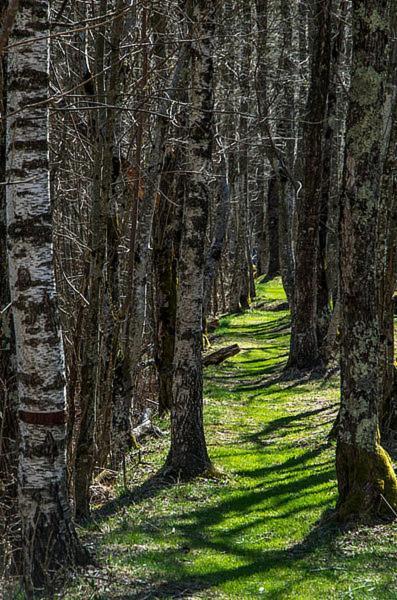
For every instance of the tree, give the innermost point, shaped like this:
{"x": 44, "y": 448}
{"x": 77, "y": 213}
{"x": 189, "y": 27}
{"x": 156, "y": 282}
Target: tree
{"x": 93, "y": 346}
{"x": 166, "y": 237}
{"x": 49, "y": 538}
{"x": 188, "y": 453}
{"x": 304, "y": 349}
{"x": 366, "y": 480}
{"x": 9, "y": 528}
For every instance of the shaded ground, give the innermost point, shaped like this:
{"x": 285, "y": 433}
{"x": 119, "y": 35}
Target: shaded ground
{"x": 255, "y": 532}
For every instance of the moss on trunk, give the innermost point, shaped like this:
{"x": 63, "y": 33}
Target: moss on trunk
{"x": 367, "y": 484}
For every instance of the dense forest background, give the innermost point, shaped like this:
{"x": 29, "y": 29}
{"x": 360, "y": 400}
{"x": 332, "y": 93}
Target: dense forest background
{"x": 161, "y": 161}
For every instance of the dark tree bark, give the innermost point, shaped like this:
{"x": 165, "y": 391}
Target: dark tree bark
{"x": 272, "y": 227}
{"x": 166, "y": 239}
{"x": 366, "y": 480}
{"x": 286, "y": 132}
{"x": 328, "y": 184}
{"x": 304, "y": 349}
{"x": 214, "y": 254}
{"x": 188, "y": 453}
{"x": 262, "y": 102}
{"x": 387, "y": 261}
{"x": 102, "y": 125}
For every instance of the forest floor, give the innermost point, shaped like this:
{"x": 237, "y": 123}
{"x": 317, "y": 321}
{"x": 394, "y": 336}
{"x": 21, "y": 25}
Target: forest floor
{"x": 257, "y": 531}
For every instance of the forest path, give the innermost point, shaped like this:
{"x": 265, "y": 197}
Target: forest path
{"x": 252, "y": 533}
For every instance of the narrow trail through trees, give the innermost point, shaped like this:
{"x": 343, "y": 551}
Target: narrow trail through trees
{"x": 255, "y": 531}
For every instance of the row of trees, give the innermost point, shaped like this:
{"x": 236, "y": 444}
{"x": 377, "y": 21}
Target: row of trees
{"x": 156, "y": 156}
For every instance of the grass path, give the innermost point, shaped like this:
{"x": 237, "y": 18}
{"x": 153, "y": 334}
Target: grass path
{"x": 253, "y": 533}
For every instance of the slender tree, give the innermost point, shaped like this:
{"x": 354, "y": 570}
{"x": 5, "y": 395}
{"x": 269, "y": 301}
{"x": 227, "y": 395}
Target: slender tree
{"x": 49, "y": 538}
{"x": 188, "y": 453}
{"x": 166, "y": 237}
{"x": 304, "y": 350}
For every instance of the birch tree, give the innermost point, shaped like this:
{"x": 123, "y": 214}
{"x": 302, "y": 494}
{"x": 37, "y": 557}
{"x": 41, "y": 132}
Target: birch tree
{"x": 49, "y": 538}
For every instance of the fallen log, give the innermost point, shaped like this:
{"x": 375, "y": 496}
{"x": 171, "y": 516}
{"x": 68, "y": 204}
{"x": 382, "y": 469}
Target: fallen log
{"x": 217, "y": 357}
{"x": 271, "y": 306}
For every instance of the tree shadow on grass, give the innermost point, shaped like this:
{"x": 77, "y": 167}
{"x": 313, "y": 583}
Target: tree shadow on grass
{"x": 201, "y": 529}
{"x": 296, "y": 378}
{"x": 197, "y": 527}
{"x": 278, "y": 324}
{"x": 148, "y": 489}
{"x": 294, "y": 420}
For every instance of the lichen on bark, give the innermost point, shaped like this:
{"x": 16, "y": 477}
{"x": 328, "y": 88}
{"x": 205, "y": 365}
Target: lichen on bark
{"x": 366, "y": 479}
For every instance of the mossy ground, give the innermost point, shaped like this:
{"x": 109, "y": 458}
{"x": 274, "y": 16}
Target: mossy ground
{"x": 254, "y": 532}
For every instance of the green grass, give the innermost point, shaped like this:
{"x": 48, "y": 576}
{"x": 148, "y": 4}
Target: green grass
{"x": 254, "y": 532}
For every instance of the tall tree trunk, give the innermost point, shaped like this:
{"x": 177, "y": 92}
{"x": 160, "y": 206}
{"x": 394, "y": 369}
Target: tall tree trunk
{"x": 304, "y": 349}
{"x": 286, "y": 131}
{"x": 272, "y": 226}
{"x": 9, "y": 529}
{"x": 135, "y": 302}
{"x": 265, "y": 232}
{"x": 91, "y": 344}
{"x": 49, "y": 538}
{"x": 243, "y": 156}
{"x": 188, "y": 453}
{"x": 329, "y": 181}
{"x": 366, "y": 480}
{"x": 260, "y": 220}
{"x": 214, "y": 254}
{"x": 166, "y": 238}
{"x": 387, "y": 259}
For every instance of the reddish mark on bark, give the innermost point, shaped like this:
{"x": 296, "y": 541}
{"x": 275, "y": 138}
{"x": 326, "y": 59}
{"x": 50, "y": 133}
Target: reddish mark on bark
{"x": 43, "y": 418}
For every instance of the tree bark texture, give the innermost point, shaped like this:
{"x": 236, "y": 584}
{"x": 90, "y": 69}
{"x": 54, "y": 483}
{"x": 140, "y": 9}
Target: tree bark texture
{"x": 8, "y": 381}
{"x": 214, "y": 253}
{"x": 286, "y": 131}
{"x": 329, "y": 186}
{"x": 272, "y": 226}
{"x": 366, "y": 480}
{"x": 304, "y": 349}
{"x": 166, "y": 240}
{"x": 188, "y": 453}
{"x": 49, "y": 538}
{"x": 387, "y": 255}
{"x": 91, "y": 343}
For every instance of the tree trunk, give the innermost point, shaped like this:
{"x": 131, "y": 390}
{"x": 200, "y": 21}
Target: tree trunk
{"x": 166, "y": 238}
{"x": 304, "y": 349}
{"x": 9, "y": 529}
{"x": 272, "y": 227}
{"x": 366, "y": 480}
{"x": 188, "y": 453}
{"x": 286, "y": 131}
{"x": 387, "y": 260}
{"x": 49, "y": 538}
{"x": 329, "y": 182}
{"x": 91, "y": 343}
{"x": 214, "y": 254}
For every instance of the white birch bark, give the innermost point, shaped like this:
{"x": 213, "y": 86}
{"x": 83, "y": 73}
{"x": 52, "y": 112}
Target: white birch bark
{"x": 49, "y": 539}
